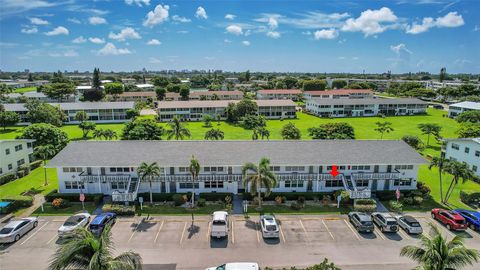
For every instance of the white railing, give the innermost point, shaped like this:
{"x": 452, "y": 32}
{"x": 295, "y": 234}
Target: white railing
{"x": 105, "y": 178}
{"x": 123, "y": 197}
{"x": 360, "y": 194}
{"x": 375, "y": 176}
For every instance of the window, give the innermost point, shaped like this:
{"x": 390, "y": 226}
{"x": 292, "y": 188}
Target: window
{"x": 275, "y": 168}
{"x": 119, "y": 169}
{"x": 7, "y": 151}
{"x": 29, "y": 145}
{"x": 294, "y": 184}
{"x": 361, "y": 167}
{"x": 20, "y": 162}
{"x": 403, "y": 167}
{"x": 455, "y": 146}
{"x": 118, "y": 185}
{"x": 213, "y": 184}
{"x": 333, "y": 183}
{"x": 213, "y": 169}
{"x": 403, "y": 182}
{"x": 74, "y": 185}
{"x": 1, "y": 171}
{"x": 477, "y": 153}
{"x": 362, "y": 183}
{"x": 474, "y": 168}
{"x": 10, "y": 166}
{"x": 188, "y": 185}
{"x": 18, "y": 147}
{"x": 467, "y": 150}
{"x": 294, "y": 168}
{"x": 72, "y": 169}
{"x": 183, "y": 169}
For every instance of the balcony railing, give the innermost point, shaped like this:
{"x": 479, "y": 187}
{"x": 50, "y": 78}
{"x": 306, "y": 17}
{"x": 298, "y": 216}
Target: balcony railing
{"x": 123, "y": 197}
{"x": 375, "y": 176}
{"x": 360, "y": 194}
{"x": 201, "y": 178}
{"x": 104, "y": 178}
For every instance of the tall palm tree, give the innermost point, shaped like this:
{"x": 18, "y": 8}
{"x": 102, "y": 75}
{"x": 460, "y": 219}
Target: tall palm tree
{"x": 44, "y": 152}
{"x": 214, "y": 134}
{"x": 148, "y": 171}
{"x": 436, "y": 253}
{"x": 83, "y": 250}
{"x": 440, "y": 163}
{"x": 257, "y": 177}
{"x": 458, "y": 170}
{"x": 177, "y": 130}
{"x": 194, "y": 169}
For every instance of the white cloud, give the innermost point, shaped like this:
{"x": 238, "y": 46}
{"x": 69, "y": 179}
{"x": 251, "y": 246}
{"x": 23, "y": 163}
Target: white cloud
{"x": 452, "y": 19}
{"x": 180, "y": 19}
{"x": 331, "y": 33}
{"x": 110, "y": 49}
{"x": 400, "y": 48}
{"x": 201, "y": 13}
{"x": 309, "y": 20}
{"x": 58, "y": 31}
{"x": 138, "y": 2}
{"x": 97, "y": 20}
{"x": 96, "y": 40}
{"x": 154, "y": 42}
{"x": 31, "y": 30}
{"x": 476, "y": 28}
{"x": 157, "y": 16}
{"x": 79, "y": 39}
{"x": 272, "y": 22}
{"x": 74, "y": 20}
{"x": 227, "y": 40}
{"x": 153, "y": 60}
{"x": 370, "y": 21}
{"x": 38, "y": 21}
{"x": 246, "y": 43}
{"x": 68, "y": 53}
{"x": 125, "y": 33}
{"x": 273, "y": 34}
{"x": 230, "y": 16}
{"x": 234, "y": 29}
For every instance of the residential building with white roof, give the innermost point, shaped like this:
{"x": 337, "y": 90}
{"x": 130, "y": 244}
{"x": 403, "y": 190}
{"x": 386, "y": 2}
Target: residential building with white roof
{"x": 464, "y": 150}
{"x": 458, "y": 108}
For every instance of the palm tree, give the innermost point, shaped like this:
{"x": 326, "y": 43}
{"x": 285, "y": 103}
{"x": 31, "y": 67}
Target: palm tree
{"x": 109, "y": 134}
{"x": 440, "y": 163}
{"x": 83, "y": 250}
{"x": 194, "y": 169}
{"x": 98, "y": 133}
{"x": 45, "y": 152}
{"x": 430, "y": 129}
{"x": 458, "y": 170}
{"x": 214, "y": 134}
{"x": 177, "y": 130}
{"x": 436, "y": 253}
{"x": 148, "y": 171}
{"x": 258, "y": 177}
{"x": 263, "y": 132}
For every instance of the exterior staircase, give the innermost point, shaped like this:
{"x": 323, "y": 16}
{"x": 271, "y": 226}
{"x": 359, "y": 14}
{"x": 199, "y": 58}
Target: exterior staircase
{"x": 130, "y": 194}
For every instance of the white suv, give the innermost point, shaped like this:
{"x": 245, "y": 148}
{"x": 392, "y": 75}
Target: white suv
{"x": 385, "y": 221}
{"x": 220, "y": 224}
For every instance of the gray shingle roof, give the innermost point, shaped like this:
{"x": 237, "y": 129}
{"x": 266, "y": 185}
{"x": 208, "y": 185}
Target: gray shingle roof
{"x": 78, "y": 106}
{"x": 235, "y": 153}
{"x": 365, "y": 101}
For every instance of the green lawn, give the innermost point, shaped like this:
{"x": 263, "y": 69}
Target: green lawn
{"x": 35, "y": 180}
{"x": 72, "y": 209}
{"x": 307, "y": 209}
{"x": 25, "y": 89}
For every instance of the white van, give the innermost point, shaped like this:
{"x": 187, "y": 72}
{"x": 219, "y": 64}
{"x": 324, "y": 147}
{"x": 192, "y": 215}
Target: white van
{"x": 220, "y": 224}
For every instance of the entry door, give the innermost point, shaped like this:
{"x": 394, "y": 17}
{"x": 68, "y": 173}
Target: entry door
{"x": 389, "y": 168}
{"x": 102, "y": 171}
{"x": 173, "y": 187}
{"x": 374, "y": 184}
{"x": 375, "y": 169}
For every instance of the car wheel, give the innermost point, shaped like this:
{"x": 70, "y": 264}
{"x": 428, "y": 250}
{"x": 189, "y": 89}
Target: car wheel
{"x": 17, "y": 237}
{"x": 433, "y": 215}
{"x": 449, "y": 227}
{"x": 35, "y": 224}
{"x": 382, "y": 229}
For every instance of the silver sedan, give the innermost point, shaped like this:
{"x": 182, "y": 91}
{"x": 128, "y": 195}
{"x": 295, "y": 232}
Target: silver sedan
{"x": 16, "y": 229}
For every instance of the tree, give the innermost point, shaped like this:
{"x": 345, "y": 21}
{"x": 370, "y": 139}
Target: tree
{"x": 262, "y": 132}
{"x": 207, "y": 120}
{"x": 291, "y": 132}
{"x": 459, "y": 170}
{"x": 184, "y": 91}
{"x": 333, "y": 131}
{"x": 142, "y": 129}
{"x": 253, "y": 121}
{"x": 86, "y": 127}
{"x": 8, "y": 119}
{"x": 114, "y": 89}
{"x": 148, "y": 172}
{"x": 96, "y": 79}
{"x": 290, "y": 82}
{"x": 160, "y": 81}
{"x": 436, "y": 253}
{"x": 245, "y": 107}
{"x": 30, "y": 77}
{"x": 194, "y": 169}
{"x": 84, "y": 250}
{"x": 310, "y": 85}
{"x": 173, "y": 88}
{"x": 81, "y": 116}
{"x": 214, "y": 134}
{"x": 256, "y": 177}
{"x": 177, "y": 130}
{"x": 109, "y": 134}
{"x": 44, "y": 152}
{"x": 440, "y": 163}
{"x": 44, "y": 113}
{"x": 339, "y": 84}
{"x": 469, "y": 116}
{"x": 59, "y": 91}
{"x": 231, "y": 112}
{"x": 132, "y": 113}
{"x": 383, "y": 127}
{"x": 443, "y": 74}
{"x": 46, "y": 134}
{"x": 413, "y": 141}
{"x": 430, "y": 129}
{"x": 160, "y": 91}
{"x": 96, "y": 94}
{"x": 469, "y": 130}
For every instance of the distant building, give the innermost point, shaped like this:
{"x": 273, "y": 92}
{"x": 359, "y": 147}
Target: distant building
{"x": 292, "y": 94}
{"x": 339, "y": 93}
{"x": 134, "y": 96}
{"x": 464, "y": 150}
{"x": 169, "y": 96}
{"x": 23, "y": 83}
{"x": 146, "y": 87}
{"x": 15, "y": 153}
{"x": 458, "y": 108}
{"x": 193, "y": 110}
{"x": 346, "y": 107}
{"x": 128, "y": 81}
{"x": 216, "y": 95}
{"x": 38, "y": 96}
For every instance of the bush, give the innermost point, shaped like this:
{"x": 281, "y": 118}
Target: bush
{"x": 408, "y": 201}
{"x": 215, "y": 196}
{"x": 280, "y": 199}
{"x": 470, "y": 198}
{"x": 295, "y": 206}
{"x": 201, "y": 202}
{"x": 178, "y": 199}
{"x": 365, "y": 208}
{"x": 365, "y": 201}
{"x": 60, "y": 203}
{"x": 301, "y": 200}
{"x": 290, "y": 196}
{"x": 395, "y": 206}
{"x": 74, "y": 197}
{"x": 417, "y": 200}
{"x": 424, "y": 189}
{"x": 7, "y": 178}
{"x": 35, "y": 164}
{"x": 120, "y": 210}
{"x": 17, "y": 202}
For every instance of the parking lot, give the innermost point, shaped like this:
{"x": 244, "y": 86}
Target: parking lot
{"x": 303, "y": 240}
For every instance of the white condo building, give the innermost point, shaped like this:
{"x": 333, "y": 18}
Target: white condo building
{"x": 458, "y": 108}
{"x": 464, "y": 150}
{"x": 15, "y": 153}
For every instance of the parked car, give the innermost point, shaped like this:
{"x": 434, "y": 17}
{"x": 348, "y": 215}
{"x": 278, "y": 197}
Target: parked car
{"x": 472, "y": 218}
{"x": 99, "y": 223}
{"x": 385, "y": 221}
{"x": 220, "y": 224}
{"x": 269, "y": 226}
{"x": 236, "y": 266}
{"x": 409, "y": 224}
{"x": 361, "y": 221}
{"x": 451, "y": 220}
{"x": 16, "y": 229}
{"x": 72, "y": 223}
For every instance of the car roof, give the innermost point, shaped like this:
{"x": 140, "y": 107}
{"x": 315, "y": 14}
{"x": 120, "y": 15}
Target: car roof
{"x": 98, "y": 219}
{"x": 220, "y": 215}
{"x": 14, "y": 223}
{"x": 269, "y": 220}
{"x": 387, "y": 215}
{"x": 363, "y": 216}
{"x": 410, "y": 219}
{"x": 474, "y": 213}
{"x": 241, "y": 266}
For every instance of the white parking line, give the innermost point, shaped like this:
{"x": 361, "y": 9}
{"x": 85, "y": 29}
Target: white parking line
{"x": 257, "y": 228}
{"x": 442, "y": 226}
{"x": 183, "y": 232}
{"x": 353, "y": 231}
{"x": 233, "y": 232}
{"x": 402, "y": 233}
{"x": 208, "y": 232}
{"x": 54, "y": 237}
{"x": 304, "y": 230}
{"x": 281, "y": 233}
{"x": 379, "y": 234}
{"x": 134, "y": 231}
{"x": 328, "y": 230}
{"x": 34, "y": 233}
{"x": 158, "y": 232}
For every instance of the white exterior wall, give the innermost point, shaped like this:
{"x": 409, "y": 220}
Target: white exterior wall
{"x": 367, "y": 110}
{"x": 9, "y": 163}
{"x": 472, "y": 158}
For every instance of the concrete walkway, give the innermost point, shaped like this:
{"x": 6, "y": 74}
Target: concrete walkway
{"x": 380, "y": 206}
{"x": 237, "y": 204}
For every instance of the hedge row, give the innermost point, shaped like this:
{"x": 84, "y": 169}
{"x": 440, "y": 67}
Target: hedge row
{"x": 17, "y": 202}
{"x": 291, "y": 196}
{"x": 74, "y": 197}
{"x": 22, "y": 172}
{"x": 160, "y": 197}
{"x": 7, "y": 178}
{"x": 215, "y": 196}
{"x": 470, "y": 197}
{"x": 120, "y": 210}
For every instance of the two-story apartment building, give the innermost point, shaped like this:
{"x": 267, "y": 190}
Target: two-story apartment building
{"x": 293, "y": 94}
{"x": 20, "y": 97}
{"x": 464, "y": 150}
{"x": 134, "y": 96}
{"x": 99, "y": 112}
{"x": 365, "y": 107}
{"x": 339, "y": 93}
{"x": 458, "y": 108}
{"x": 110, "y": 167}
{"x": 193, "y": 110}
{"x": 15, "y": 153}
{"x": 216, "y": 95}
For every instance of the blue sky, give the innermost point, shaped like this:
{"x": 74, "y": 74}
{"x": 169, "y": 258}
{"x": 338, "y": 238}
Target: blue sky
{"x": 304, "y": 36}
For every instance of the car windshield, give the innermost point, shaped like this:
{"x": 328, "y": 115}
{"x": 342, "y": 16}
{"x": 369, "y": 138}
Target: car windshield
{"x": 391, "y": 222}
{"x": 271, "y": 228}
{"x": 221, "y": 267}
{"x": 414, "y": 224}
{"x": 460, "y": 221}
{"x": 72, "y": 221}
{"x": 367, "y": 223}
{"x": 219, "y": 223}
{"x": 93, "y": 226}
{"x": 6, "y": 230}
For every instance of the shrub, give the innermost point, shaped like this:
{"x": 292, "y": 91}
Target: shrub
{"x": 365, "y": 208}
{"x": 201, "y": 202}
{"x": 215, "y": 196}
{"x": 365, "y": 201}
{"x": 17, "y": 202}
{"x": 301, "y": 200}
{"x": 7, "y": 178}
{"x": 408, "y": 201}
{"x": 35, "y": 164}
{"x": 470, "y": 198}
{"x": 74, "y": 197}
{"x": 60, "y": 203}
{"x": 120, "y": 210}
{"x": 417, "y": 200}
{"x": 424, "y": 189}
{"x": 178, "y": 199}
{"x": 279, "y": 199}
{"x": 395, "y": 206}
{"x": 295, "y": 206}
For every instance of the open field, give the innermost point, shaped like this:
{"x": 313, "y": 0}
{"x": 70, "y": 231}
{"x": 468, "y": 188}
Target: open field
{"x": 25, "y": 89}
{"x": 35, "y": 180}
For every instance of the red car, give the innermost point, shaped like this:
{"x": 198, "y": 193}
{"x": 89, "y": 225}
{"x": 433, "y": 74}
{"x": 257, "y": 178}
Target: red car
{"x": 452, "y": 220}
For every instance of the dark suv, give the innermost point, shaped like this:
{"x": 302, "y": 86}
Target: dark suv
{"x": 361, "y": 221}
{"x": 99, "y": 223}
